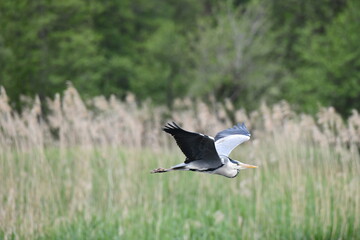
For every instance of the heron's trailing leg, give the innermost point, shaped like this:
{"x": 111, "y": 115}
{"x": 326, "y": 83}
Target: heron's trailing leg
{"x": 180, "y": 166}
{"x": 160, "y": 170}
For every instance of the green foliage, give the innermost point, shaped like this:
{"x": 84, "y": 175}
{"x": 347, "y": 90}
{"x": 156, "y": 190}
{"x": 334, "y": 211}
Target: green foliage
{"x": 232, "y": 57}
{"x": 49, "y": 44}
{"x": 246, "y": 50}
{"x": 330, "y": 73}
{"x": 159, "y": 70}
{"x": 321, "y": 53}
{"x": 289, "y": 18}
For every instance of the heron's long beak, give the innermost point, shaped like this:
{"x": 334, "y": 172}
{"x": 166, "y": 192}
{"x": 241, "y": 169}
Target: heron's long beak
{"x": 243, "y": 165}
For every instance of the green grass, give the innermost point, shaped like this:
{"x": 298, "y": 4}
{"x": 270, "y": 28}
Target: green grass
{"x": 304, "y": 192}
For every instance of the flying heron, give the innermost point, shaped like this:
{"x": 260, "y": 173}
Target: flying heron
{"x": 207, "y": 154}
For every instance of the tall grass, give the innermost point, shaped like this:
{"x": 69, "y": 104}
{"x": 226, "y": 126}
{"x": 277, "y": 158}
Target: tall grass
{"x": 82, "y": 172}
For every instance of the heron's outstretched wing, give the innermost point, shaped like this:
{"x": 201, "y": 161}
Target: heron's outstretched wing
{"x": 228, "y": 139}
{"x": 199, "y": 149}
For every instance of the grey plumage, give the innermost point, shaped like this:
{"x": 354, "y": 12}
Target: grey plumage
{"x": 206, "y": 154}
{"x": 237, "y": 129}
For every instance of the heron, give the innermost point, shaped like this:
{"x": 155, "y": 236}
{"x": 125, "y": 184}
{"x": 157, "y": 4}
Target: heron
{"x": 207, "y": 154}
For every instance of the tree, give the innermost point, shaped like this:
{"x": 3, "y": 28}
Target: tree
{"x": 330, "y": 73}
{"x": 232, "y": 57}
{"x": 47, "y": 44}
{"x": 159, "y": 73}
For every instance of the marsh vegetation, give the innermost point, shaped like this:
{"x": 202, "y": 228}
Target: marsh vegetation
{"x": 82, "y": 172}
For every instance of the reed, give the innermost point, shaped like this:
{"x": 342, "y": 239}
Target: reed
{"x": 82, "y": 172}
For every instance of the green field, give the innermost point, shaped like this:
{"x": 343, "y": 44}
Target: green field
{"x": 104, "y": 193}
{"x": 81, "y": 174}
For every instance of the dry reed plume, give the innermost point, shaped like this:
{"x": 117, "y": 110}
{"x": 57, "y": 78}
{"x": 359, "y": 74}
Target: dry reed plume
{"x": 127, "y": 123}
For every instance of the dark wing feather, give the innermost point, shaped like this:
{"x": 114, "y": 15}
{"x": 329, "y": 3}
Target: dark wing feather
{"x": 196, "y": 147}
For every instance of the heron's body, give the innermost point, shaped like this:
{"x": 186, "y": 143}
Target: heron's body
{"x": 207, "y": 154}
{"x": 229, "y": 169}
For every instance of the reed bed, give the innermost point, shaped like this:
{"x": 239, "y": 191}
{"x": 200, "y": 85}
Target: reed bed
{"x": 81, "y": 171}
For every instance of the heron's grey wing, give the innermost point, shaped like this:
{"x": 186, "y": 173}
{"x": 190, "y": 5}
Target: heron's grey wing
{"x": 228, "y": 139}
{"x": 199, "y": 149}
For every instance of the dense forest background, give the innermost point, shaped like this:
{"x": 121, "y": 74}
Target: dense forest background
{"x": 249, "y": 51}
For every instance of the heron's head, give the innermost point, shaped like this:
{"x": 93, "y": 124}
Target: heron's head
{"x": 239, "y": 165}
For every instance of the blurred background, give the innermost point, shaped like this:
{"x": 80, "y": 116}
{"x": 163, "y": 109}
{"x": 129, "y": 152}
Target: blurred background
{"x": 249, "y": 51}
{"x": 86, "y": 85}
